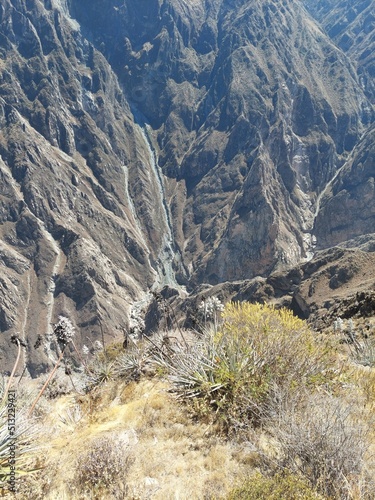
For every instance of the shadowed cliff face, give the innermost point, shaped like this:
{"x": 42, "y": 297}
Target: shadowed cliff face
{"x": 148, "y": 142}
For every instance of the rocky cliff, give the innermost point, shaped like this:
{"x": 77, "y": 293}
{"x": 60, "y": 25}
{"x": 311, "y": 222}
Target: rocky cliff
{"x": 252, "y": 108}
{"x": 158, "y": 142}
{"x": 83, "y": 223}
{"x": 351, "y": 25}
{"x": 347, "y": 204}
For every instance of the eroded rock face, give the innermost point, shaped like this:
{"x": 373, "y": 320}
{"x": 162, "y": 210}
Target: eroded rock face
{"x": 347, "y": 207}
{"x": 82, "y": 232}
{"x": 253, "y": 110}
{"x": 337, "y": 282}
{"x": 145, "y": 143}
{"x": 350, "y": 23}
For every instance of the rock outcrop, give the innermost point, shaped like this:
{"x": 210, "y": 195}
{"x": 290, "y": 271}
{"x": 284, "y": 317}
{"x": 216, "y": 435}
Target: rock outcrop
{"x": 337, "y": 282}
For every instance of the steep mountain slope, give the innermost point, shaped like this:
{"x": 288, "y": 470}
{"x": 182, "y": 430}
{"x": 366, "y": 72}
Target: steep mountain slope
{"x": 351, "y": 23}
{"x": 347, "y": 204}
{"x": 347, "y": 207}
{"x": 152, "y": 142}
{"x": 82, "y": 221}
{"x": 252, "y": 108}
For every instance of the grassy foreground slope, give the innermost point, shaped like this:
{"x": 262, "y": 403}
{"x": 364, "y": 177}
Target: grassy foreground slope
{"x": 257, "y": 406}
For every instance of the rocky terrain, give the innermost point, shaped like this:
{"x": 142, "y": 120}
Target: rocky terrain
{"x": 351, "y": 25}
{"x": 178, "y": 143}
{"x": 336, "y": 283}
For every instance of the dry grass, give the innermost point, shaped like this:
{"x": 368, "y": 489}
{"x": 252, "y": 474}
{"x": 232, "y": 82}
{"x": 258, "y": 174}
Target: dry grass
{"x": 363, "y": 379}
{"x": 172, "y": 457}
{"x": 102, "y": 469}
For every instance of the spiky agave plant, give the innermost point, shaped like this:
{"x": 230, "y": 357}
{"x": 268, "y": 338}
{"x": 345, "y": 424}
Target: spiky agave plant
{"x": 98, "y": 373}
{"x": 131, "y": 365}
{"x": 18, "y": 439}
{"x": 191, "y": 368}
{"x": 230, "y": 372}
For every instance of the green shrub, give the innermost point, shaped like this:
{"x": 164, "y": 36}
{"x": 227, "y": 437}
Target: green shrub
{"x": 278, "y": 487}
{"x": 111, "y": 352}
{"x": 258, "y": 351}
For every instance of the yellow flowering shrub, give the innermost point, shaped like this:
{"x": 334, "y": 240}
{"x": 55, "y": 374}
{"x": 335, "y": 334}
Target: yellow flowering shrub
{"x": 239, "y": 372}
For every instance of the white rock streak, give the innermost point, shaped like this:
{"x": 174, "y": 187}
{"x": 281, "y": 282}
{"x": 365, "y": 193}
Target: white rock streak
{"x": 166, "y": 254}
{"x": 55, "y": 271}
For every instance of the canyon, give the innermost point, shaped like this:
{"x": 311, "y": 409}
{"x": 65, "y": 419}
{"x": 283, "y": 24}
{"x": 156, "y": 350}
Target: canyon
{"x": 180, "y": 144}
